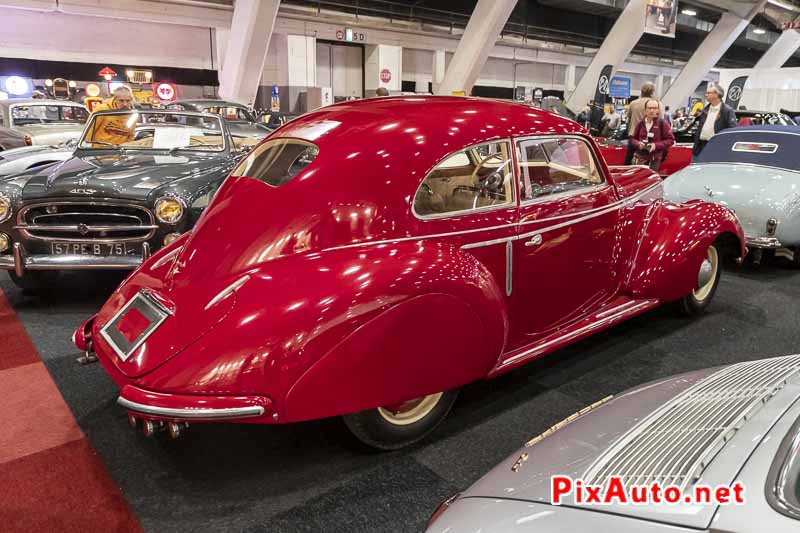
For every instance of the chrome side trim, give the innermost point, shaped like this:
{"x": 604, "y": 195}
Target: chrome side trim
{"x": 509, "y": 267}
{"x": 171, "y": 412}
{"x": 608, "y": 316}
{"x": 610, "y": 207}
{"x": 227, "y": 291}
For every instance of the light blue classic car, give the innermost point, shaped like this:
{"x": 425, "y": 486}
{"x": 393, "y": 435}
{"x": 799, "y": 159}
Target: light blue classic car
{"x": 755, "y": 171}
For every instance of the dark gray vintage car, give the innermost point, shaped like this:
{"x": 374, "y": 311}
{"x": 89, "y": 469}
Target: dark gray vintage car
{"x": 136, "y": 181}
{"x": 240, "y": 119}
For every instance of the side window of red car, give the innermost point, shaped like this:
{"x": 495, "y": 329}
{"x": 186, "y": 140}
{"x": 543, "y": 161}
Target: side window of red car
{"x": 552, "y": 165}
{"x": 479, "y": 177}
{"x": 277, "y": 162}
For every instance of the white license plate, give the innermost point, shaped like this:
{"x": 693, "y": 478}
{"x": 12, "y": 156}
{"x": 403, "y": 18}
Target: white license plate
{"x": 89, "y": 248}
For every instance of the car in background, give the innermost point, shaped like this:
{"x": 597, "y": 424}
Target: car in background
{"x": 45, "y": 122}
{"x": 110, "y": 206}
{"x": 371, "y": 257}
{"x": 754, "y": 171}
{"x": 684, "y": 132}
{"x": 28, "y": 157}
{"x": 737, "y": 424}
{"x": 240, "y": 118}
{"x": 615, "y": 146}
{"x": 10, "y": 139}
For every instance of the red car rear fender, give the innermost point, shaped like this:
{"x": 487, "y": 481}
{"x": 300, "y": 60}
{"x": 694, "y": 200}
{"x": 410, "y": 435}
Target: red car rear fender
{"x": 674, "y": 244}
{"x": 348, "y": 329}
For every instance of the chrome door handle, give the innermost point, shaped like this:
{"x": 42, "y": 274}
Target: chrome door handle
{"x": 536, "y": 240}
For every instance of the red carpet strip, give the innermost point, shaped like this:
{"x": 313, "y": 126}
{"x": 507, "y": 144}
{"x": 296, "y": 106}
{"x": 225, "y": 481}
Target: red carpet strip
{"x": 50, "y": 477}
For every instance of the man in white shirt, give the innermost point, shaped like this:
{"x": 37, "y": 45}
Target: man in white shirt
{"x": 716, "y": 117}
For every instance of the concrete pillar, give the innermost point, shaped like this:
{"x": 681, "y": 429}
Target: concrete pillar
{"x": 221, "y": 36}
{"x": 383, "y": 67}
{"x": 247, "y": 43}
{"x": 780, "y": 51}
{"x": 569, "y": 79}
{"x": 660, "y": 85}
{"x": 439, "y": 68}
{"x": 716, "y": 43}
{"x": 291, "y": 65}
{"x": 483, "y": 30}
{"x": 616, "y": 48}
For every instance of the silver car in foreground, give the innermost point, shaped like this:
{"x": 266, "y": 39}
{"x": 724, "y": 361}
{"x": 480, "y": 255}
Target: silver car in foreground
{"x": 733, "y": 425}
{"x": 755, "y": 171}
{"x": 46, "y": 122}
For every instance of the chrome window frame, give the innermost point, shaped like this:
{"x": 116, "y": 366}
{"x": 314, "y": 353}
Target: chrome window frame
{"x": 565, "y": 194}
{"x": 784, "y": 474}
{"x": 454, "y": 214}
{"x": 261, "y": 147}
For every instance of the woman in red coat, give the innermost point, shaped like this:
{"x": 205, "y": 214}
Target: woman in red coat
{"x": 651, "y": 138}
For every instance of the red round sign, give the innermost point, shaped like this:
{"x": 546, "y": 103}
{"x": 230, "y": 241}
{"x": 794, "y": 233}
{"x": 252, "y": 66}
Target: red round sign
{"x": 386, "y": 75}
{"x": 165, "y": 91}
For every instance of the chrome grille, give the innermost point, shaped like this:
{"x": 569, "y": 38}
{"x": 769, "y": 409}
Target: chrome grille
{"x": 675, "y": 444}
{"x": 86, "y": 221}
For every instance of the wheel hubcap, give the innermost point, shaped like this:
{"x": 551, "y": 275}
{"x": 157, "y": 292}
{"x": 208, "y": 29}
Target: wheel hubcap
{"x": 707, "y": 274}
{"x": 411, "y": 411}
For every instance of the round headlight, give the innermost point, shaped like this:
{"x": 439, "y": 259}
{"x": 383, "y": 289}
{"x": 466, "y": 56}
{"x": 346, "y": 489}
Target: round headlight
{"x": 5, "y": 208}
{"x": 169, "y": 238}
{"x": 169, "y": 210}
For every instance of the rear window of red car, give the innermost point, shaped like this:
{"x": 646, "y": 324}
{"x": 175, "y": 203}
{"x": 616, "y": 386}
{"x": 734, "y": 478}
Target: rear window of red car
{"x": 276, "y": 162}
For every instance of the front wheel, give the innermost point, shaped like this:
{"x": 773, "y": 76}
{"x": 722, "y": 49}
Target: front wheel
{"x": 396, "y": 426}
{"x": 707, "y": 282}
{"x": 36, "y": 281}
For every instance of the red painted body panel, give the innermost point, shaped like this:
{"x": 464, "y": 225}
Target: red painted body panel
{"x": 678, "y": 157}
{"x": 344, "y": 300}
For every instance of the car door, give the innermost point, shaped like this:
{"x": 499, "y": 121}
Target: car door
{"x": 564, "y": 253}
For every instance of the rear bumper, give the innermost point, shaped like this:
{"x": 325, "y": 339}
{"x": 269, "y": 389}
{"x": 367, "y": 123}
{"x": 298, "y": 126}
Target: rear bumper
{"x": 20, "y": 261}
{"x": 182, "y": 407}
{"x": 765, "y": 243}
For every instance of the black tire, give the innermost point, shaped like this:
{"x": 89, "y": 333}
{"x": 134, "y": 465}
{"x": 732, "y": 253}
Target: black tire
{"x": 696, "y": 302}
{"x": 374, "y": 429}
{"x": 35, "y": 282}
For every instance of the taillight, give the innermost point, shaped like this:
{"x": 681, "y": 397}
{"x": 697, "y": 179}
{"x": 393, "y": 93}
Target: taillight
{"x": 444, "y": 506}
{"x": 28, "y": 140}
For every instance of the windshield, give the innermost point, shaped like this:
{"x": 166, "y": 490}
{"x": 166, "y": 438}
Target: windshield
{"x": 231, "y": 113}
{"x": 22, "y": 115}
{"x": 135, "y": 130}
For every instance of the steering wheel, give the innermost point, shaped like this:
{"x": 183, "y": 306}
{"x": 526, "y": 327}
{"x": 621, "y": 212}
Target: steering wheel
{"x": 493, "y": 183}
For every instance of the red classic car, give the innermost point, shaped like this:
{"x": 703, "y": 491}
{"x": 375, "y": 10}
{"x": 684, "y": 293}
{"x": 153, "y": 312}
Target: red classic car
{"x": 613, "y": 149}
{"x": 369, "y": 258}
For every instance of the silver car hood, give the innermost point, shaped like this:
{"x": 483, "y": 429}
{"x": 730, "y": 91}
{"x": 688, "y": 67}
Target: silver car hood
{"x": 607, "y": 433}
{"x": 755, "y": 193}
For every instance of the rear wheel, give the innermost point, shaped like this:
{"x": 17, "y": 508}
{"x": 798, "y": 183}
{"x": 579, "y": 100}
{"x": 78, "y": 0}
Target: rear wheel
{"x": 396, "y": 426}
{"x": 707, "y": 282}
{"x": 36, "y": 281}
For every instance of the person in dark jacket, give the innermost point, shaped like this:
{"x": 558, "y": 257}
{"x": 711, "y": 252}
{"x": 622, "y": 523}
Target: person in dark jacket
{"x": 651, "y": 138}
{"x": 715, "y": 117}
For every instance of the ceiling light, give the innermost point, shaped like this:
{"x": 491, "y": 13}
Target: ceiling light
{"x": 759, "y": 31}
{"x": 690, "y": 12}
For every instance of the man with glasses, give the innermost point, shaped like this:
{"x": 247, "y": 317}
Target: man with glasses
{"x": 716, "y": 117}
{"x": 114, "y": 129}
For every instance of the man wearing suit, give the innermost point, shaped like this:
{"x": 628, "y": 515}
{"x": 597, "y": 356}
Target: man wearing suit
{"x": 716, "y": 117}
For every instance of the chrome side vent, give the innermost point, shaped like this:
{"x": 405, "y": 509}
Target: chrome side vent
{"x": 675, "y": 444}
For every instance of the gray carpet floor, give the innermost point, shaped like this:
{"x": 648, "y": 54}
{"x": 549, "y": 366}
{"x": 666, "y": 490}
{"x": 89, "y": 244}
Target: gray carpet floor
{"x": 312, "y": 477}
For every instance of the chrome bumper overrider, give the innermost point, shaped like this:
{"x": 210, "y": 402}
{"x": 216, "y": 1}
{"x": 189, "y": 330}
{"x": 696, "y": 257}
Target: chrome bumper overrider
{"x": 770, "y": 243}
{"x": 192, "y": 413}
{"x": 20, "y": 261}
